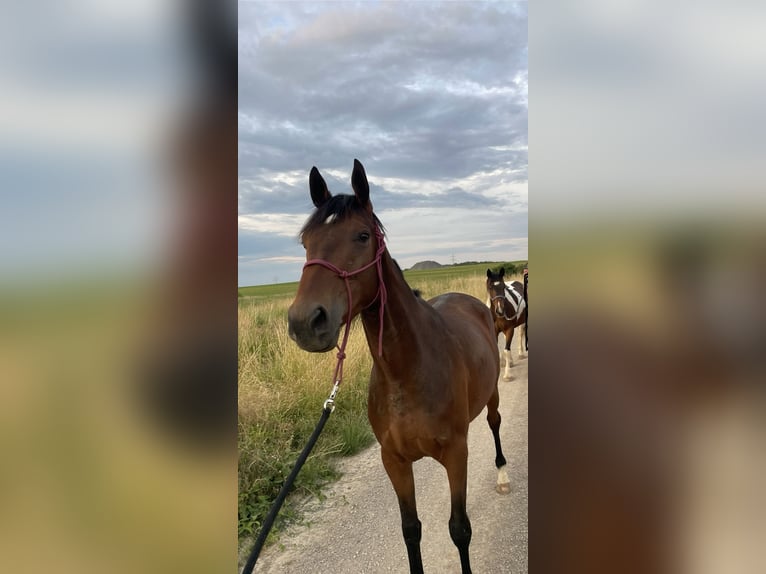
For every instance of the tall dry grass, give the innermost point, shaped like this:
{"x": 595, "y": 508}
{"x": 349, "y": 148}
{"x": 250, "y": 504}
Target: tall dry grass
{"x": 474, "y": 284}
{"x": 281, "y": 392}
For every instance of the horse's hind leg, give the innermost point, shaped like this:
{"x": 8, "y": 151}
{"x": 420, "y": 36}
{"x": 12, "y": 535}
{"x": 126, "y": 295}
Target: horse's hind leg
{"x": 455, "y": 460}
{"x": 507, "y": 353}
{"x": 400, "y": 473}
{"x": 493, "y": 419}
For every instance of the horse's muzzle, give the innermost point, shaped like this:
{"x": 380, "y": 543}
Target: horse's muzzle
{"x": 316, "y": 329}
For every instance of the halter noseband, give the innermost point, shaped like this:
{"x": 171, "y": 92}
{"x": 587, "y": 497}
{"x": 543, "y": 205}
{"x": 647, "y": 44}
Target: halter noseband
{"x": 494, "y": 298}
{"x": 381, "y": 294}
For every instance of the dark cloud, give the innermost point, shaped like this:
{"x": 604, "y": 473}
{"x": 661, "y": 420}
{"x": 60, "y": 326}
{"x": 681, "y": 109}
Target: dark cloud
{"x": 424, "y": 92}
{"x": 263, "y": 194}
{"x": 433, "y": 82}
{"x": 454, "y": 197}
{"x": 258, "y": 244}
{"x": 272, "y": 196}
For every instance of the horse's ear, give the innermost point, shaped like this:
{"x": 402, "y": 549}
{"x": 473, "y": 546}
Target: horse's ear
{"x": 489, "y": 273}
{"x": 319, "y": 192}
{"x": 502, "y": 272}
{"x": 359, "y": 184}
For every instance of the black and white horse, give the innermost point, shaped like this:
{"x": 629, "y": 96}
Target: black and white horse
{"x": 509, "y": 310}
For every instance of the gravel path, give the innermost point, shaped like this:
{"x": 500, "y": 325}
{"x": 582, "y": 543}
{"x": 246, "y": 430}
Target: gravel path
{"x": 356, "y": 530}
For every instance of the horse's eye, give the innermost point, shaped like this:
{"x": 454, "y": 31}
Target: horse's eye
{"x": 364, "y": 237}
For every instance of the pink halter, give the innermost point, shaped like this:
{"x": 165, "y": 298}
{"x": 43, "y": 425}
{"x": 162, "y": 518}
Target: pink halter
{"x": 381, "y": 294}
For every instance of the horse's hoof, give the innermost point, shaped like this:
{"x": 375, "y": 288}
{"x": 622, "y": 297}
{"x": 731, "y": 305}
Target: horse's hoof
{"x": 507, "y": 377}
{"x": 504, "y": 488}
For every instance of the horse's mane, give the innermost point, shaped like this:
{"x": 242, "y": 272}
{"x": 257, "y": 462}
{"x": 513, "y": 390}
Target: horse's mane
{"x": 340, "y": 207}
{"x": 398, "y": 268}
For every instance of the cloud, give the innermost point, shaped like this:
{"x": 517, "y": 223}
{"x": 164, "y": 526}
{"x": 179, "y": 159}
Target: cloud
{"x": 432, "y": 98}
{"x": 283, "y": 224}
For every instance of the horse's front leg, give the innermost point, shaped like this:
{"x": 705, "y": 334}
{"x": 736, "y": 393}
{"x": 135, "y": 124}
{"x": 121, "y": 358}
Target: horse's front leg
{"x": 400, "y": 473}
{"x": 507, "y": 352}
{"x": 456, "y": 462}
{"x": 493, "y": 419}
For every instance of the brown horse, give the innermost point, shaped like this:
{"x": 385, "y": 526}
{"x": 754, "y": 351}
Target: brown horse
{"x": 435, "y": 363}
{"x": 510, "y": 311}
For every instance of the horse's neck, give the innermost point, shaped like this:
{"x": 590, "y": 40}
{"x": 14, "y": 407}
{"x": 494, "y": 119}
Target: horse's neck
{"x": 402, "y": 314}
{"x": 514, "y": 303}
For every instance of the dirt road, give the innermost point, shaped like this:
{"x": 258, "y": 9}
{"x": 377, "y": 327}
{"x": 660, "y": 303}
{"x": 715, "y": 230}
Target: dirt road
{"x": 356, "y": 530}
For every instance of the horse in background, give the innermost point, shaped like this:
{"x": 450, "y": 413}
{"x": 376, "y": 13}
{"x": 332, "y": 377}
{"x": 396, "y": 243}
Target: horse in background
{"x": 509, "y": 309}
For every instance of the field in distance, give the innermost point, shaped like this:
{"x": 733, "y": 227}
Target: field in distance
{"x": 260, "y": 292}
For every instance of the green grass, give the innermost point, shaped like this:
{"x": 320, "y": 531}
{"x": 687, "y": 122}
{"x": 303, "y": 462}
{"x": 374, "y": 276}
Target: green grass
{"x": 268, "y": 291}
{"x": 458, "y": 271}
{"x": 282, "y": 389}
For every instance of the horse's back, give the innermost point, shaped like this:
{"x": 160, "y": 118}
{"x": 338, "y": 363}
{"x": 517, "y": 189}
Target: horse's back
{"x": 516, "y": 286}
{"x": 470, "y": 331}
{"x": 463, "y": 311}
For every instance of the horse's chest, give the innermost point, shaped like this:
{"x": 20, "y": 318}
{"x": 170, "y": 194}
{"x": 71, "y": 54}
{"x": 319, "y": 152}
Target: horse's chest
{"x": 414, "y": 439}
{"x": 410, "y": 421}
{"x": 411, "y": 432}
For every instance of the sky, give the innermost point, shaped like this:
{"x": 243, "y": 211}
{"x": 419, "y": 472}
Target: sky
{"x": 430, "y": 97}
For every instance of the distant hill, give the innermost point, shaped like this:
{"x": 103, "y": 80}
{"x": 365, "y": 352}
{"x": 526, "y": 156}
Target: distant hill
{"x": 425, "y": 265}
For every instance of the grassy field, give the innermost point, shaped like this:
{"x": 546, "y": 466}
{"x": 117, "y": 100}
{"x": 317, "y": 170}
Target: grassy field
{"x": 263, "y": 292}
{"x": 282, "y": 389}
{"x": 260, "y": 292}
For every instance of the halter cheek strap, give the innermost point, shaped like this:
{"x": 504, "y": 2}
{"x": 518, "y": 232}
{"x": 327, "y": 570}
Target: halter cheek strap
{"x": 382, "y": 295}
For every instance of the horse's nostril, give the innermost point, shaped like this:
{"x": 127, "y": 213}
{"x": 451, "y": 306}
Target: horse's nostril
{"x": 318, "y": 321}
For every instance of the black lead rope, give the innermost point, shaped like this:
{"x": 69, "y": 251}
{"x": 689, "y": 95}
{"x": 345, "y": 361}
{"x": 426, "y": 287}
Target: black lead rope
{"x": 329, "y": 404}
{"x": 526, "y": 319}
{"x": 269, "y": 522}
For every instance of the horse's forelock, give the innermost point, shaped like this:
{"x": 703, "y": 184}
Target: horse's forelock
{"x": 336, "y": 209}
{"x": 494, "y": 279}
